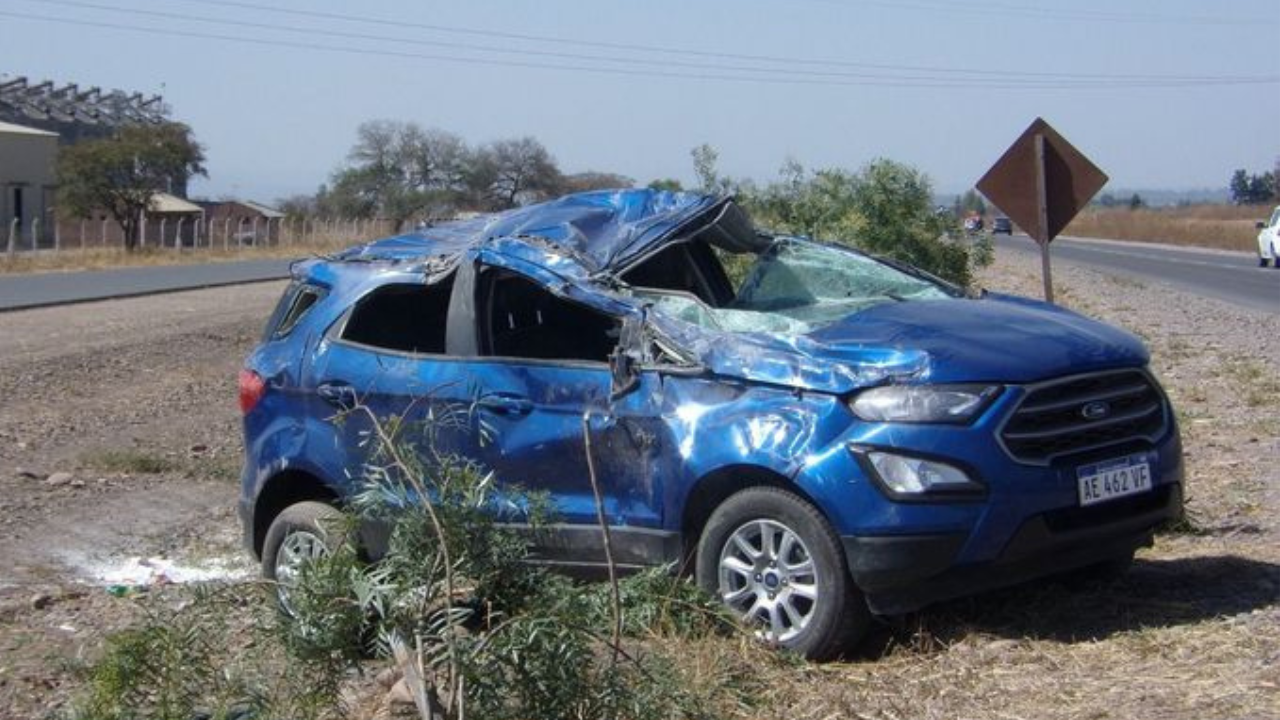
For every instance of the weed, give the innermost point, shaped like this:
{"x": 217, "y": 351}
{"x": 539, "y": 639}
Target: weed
{"x": 183, "y": 662}
{"x": 467, "y": 620}
{"x": 130, "y": 460}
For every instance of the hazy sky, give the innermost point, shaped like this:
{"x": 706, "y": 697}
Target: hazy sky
{"x": 1160, "y": 93}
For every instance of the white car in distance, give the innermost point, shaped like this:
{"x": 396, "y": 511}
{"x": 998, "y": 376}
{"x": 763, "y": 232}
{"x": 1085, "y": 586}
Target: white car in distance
{"x": 1269, "y": 240}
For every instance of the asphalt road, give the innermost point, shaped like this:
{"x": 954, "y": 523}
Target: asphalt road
{"x": 57, "y": 288}
{"x": 1234, "y": 277}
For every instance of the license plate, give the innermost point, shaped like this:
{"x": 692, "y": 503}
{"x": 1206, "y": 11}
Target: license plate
{"x": 1113, "y": 479}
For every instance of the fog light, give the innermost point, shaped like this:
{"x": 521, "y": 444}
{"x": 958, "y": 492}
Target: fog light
{"x": 905, "y": 475}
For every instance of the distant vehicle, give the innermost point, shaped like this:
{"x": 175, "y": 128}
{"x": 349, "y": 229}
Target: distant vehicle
{"x": 973, "y": 224}
{"x": 1002, "y": 225}
{"x": 1269, "y": 240}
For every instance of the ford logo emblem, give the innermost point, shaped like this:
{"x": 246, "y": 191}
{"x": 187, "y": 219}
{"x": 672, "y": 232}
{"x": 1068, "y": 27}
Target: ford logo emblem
{"x": 1095, "y": 410}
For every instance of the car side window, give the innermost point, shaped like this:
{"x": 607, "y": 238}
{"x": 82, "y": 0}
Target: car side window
{"x": 402, "y": 317}
{"x": 521, "y": 319}
{"x": 298, "y": 299}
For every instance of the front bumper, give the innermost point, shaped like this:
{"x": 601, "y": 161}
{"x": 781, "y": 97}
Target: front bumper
{"x": 901, "y": 574}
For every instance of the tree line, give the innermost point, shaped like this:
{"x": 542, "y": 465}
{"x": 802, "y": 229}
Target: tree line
{"x": 1257, "y": 188}
{"x": 401, "y": 171}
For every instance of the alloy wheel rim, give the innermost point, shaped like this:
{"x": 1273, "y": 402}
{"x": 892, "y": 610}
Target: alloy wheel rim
{"x": 296, "y": 550}
{"x": 767, "y": 577}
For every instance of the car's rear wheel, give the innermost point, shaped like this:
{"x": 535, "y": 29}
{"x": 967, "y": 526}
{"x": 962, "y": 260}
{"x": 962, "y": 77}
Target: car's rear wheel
{"x": 776, "y": 563}
{"x": 301, "y": 533}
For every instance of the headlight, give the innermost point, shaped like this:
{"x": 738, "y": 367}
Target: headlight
{"x": 905, "y": 475}
{"x": 924, "y": 403}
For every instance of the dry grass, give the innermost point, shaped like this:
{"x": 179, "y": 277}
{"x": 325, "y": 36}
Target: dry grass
{"x": 1225, "y": 227}
{"x": 97, "y": 258}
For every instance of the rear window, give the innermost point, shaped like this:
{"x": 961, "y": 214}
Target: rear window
{"x": 298, "y": 299}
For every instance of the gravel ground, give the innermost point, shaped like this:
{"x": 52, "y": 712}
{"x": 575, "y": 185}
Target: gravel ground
{"x": 119, "y": 439}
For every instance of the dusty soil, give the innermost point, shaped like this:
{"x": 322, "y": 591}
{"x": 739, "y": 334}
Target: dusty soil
{"x": 1193, "y": 631}
{"x": 119, "y": 439}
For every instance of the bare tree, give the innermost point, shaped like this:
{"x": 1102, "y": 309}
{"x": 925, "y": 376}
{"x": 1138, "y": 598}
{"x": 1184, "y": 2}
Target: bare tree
{"x": 518, "y": 171}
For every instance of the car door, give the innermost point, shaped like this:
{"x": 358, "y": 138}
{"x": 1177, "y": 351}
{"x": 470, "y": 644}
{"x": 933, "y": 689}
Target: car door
{"x": 542, "y": 379}
{"x": 384, "y": 366}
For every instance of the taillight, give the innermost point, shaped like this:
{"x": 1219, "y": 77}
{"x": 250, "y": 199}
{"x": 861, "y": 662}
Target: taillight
{"x": 252, "y": 388}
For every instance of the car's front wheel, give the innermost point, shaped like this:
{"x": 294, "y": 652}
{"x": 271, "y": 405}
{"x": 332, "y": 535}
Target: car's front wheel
{"x": 301, "y": 533}
{"x": 775, "y": 562}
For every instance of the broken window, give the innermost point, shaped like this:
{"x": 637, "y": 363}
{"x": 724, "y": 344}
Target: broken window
{"x": 690, "y": 267}
{"x": 405, "y": 318}
{"x": 795, "y": 287}
{"x": 524, "y": 320}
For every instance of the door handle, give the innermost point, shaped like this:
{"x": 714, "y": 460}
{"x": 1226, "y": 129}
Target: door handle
{"x": 504, "y": 404}
{"x": 338, "y": 394}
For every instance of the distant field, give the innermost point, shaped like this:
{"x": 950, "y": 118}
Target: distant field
{"x": 1227, "y": 227}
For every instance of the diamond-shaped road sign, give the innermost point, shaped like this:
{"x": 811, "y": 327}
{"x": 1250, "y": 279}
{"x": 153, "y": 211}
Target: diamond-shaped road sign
{"x": 1070, "y": 181}
{"x": 1041, "y": 182}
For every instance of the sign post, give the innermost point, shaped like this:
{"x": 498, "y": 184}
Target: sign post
{"x": 1041, "y": 182}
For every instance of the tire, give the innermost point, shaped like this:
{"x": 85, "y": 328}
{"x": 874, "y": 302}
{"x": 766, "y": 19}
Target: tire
{"x": 791, "y": 546}
{"x": 308, "y": 529}
{"x": 1262, "y": 262}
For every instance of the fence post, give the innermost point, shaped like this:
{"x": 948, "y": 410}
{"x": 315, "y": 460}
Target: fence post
{"x": 254, "y": 228}
{"x": 13, "y": 230}
{"x": 103, "y": 238}
{"x": 57, "y": 236}
{"x": 226, "y": 233}
{"x": 177, "y": 233}
{"x": 142, "y": 231}
{"x": 82, "y": 224}
{"x": 161, "y": 242}
{"x": 35, "y": 234}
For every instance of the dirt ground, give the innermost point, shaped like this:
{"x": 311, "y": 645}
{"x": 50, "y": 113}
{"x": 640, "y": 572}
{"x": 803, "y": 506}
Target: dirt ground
{"x": 119, "y": 442}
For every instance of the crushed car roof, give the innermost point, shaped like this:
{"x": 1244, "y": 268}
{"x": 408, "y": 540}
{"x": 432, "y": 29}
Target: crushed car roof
{"x": 605, "y": 229}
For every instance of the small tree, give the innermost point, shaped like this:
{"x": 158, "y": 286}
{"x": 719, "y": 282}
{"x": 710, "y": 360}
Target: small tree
{"x": 971, "y": 202}
{"x": 1136, "y": 202}
{"x": 120, "y": 174}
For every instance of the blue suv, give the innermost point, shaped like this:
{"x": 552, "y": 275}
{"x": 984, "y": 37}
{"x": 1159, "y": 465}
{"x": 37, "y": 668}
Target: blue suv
{"x": 833, "y": 436}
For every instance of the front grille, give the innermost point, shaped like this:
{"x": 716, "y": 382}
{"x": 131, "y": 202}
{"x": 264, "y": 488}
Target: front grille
{"x": 1082, "y": 413}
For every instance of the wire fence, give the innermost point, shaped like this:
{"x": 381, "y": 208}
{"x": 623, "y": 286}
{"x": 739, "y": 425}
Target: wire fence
{"x": 188, "y": 234}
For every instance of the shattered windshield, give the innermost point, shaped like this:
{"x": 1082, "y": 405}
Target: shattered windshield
{"x": 796, "y": 287}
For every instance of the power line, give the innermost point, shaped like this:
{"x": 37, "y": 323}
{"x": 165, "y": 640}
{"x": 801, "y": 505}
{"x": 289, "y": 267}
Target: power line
{"x": 636, "y": 47}
{"x": 773, "y": 77}
{"x": 1009, "y": 76}
{"x": 1043, "y": 13}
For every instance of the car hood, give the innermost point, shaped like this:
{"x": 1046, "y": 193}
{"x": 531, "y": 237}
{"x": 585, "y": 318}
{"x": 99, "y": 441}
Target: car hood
{"x": 996, "y": 338}
{"x": 606, "y": 230}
